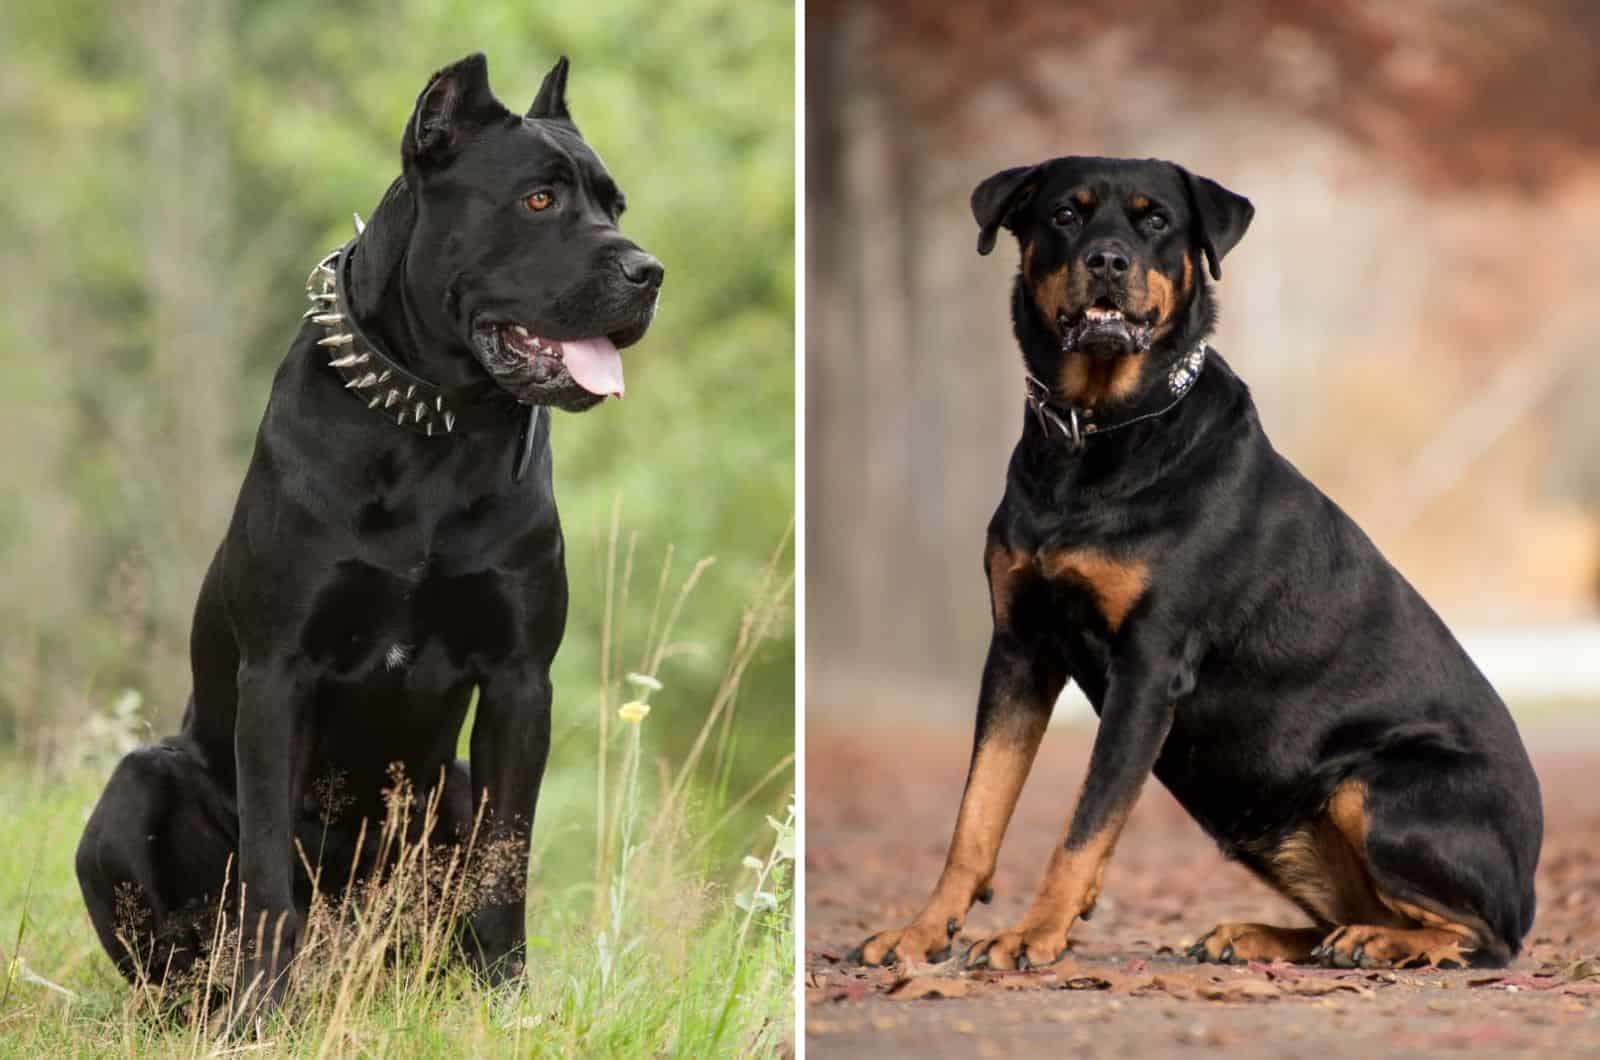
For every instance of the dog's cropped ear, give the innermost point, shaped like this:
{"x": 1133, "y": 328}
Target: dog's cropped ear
{"x": 551, "y": 102}
{"x": 994, "y": 200}
{"x": 1219, "y": 217}
{"x": 456, "y": 100}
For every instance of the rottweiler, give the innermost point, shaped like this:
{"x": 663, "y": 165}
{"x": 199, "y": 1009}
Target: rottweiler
{"x": 1235, "y": 631}
{"x": 394, "y": 547}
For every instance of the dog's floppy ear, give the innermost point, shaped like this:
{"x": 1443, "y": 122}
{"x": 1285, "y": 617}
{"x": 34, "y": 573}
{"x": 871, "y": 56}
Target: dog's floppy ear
{"x": 457, "y": 99}
{"x": 551, "y": 102}
{"x": 1220, "y": 217}
{"x": 995, "y": 199}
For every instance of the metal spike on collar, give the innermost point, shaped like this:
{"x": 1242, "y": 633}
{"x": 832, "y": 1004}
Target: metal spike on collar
{"x": 359, "y": 360}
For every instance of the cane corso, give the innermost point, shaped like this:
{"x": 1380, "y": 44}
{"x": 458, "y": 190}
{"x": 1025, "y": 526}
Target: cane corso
{"x": 1237, "y": 634}
{"x": 394, "y": 547}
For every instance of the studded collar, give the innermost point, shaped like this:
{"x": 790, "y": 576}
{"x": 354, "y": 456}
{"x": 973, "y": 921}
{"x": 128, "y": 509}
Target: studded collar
{"x": 387, "y": 387}
{"x": 1077, "y": 424}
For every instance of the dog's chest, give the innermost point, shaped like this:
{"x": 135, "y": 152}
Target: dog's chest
{"x": 401, "y": 622}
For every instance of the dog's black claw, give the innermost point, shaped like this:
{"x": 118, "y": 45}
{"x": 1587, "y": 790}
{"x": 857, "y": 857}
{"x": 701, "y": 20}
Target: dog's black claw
{"x": 1316, "y": 951}
{"x": 986, "y": 895}
{"x": 940, "y": 957}
{"x": 973, "y": 959}
{"x": 854, "y": 956}
{"x": 1023, "y": 964}
{"x": 890, "y": 958}
{"x": 1226, "y": 955}
{"x": 952, "y": 926}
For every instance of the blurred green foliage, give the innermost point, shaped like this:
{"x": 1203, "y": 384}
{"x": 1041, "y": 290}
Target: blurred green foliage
{"x": 174, "y": 167}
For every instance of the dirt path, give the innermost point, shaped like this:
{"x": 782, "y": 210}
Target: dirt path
{"x": 880, "y": 807}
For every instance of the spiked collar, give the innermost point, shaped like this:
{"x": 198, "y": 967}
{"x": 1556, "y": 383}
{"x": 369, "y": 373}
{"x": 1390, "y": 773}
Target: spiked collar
{"x": 1076, "y": 423}
{"x": 387, "y": 387}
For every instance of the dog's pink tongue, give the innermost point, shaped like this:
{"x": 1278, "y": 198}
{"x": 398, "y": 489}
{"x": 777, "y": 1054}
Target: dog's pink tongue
{"x": 594, "y": 364}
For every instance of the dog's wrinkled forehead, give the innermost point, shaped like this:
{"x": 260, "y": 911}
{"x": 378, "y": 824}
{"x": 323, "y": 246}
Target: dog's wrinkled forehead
{"x": 538, "y": 153}
{"x": 1089, "y": 183}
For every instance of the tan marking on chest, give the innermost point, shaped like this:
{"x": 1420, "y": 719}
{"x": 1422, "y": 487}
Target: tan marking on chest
{"x": 1117, "y": 584}
{"x": 1006, "y": 569}
{"x": 1092, "y": 381}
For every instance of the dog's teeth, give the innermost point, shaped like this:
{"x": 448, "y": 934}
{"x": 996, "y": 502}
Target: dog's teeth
{"x": 521, "y": 331}
{"x": 336, "y": 340}
{"x": 393, "y": 396}
{"x": 350, "y": 360}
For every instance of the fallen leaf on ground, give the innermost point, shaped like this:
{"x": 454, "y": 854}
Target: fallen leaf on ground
{"x": 917, "y": 987}
{"x": 1240, "y": 990}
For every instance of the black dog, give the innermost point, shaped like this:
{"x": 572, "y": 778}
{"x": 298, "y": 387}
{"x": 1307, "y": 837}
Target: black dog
{"x": 1236, "y": 633}
{"x": 388, "y": 554}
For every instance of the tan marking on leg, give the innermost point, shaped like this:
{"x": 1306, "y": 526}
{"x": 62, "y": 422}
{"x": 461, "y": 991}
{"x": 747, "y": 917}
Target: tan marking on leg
{"x": 1117, "y": 584}
{"x": 1006, "y": 570}
{"x": 999, "y": 769}
{"x": 1372, "y": 945}
{"x": 1323, "y": 867}
{"x": 1230, "y": 942}
{"x": 1071, "y": 886}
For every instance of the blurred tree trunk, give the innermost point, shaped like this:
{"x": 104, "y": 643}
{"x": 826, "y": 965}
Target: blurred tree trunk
{"x": 182, "y": 421}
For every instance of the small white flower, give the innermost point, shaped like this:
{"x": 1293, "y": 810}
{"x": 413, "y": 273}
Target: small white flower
{"x": 644, "y": 681}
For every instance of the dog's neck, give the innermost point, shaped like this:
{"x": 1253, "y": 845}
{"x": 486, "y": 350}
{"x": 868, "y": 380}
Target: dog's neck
{"x": 411, "y": 333}
{"x": 1074, "y": 396}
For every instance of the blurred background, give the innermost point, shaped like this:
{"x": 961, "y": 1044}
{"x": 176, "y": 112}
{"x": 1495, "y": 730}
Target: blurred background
{"x": 173, "y": 170}
{"x": 1413, "y": 306}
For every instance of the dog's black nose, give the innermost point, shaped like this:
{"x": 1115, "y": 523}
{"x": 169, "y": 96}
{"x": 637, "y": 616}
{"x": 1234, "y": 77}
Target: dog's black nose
{"x": 642, "y": 269}
{"x": 1106, "y": 259}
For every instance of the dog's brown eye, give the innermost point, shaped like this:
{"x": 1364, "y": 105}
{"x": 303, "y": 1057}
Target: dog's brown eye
{"x": 1064, "y": 216}
{"x": 539, "y": 201}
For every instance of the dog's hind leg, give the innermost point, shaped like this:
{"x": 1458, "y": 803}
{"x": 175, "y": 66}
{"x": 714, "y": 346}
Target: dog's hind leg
{"x": 1419, "y": 864}
{"x": 152, "y": 861}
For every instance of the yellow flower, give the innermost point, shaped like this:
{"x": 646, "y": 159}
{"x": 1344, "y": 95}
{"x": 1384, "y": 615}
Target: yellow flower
{"x": 634, "y": 711}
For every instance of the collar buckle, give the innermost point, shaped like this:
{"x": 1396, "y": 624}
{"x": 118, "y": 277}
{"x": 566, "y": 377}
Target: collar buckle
{"x": 1038, "y": 395}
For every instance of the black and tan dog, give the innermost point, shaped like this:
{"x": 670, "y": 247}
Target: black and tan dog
{"x": 1238, "y": 635}
{"x": 395, "y": 546}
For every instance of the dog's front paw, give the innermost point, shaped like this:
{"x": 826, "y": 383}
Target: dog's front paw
{"x": 918, "y": 943}
{"x": 1017, "y": 950}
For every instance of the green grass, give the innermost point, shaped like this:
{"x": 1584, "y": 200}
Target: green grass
{"x": 659, "y": 903}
